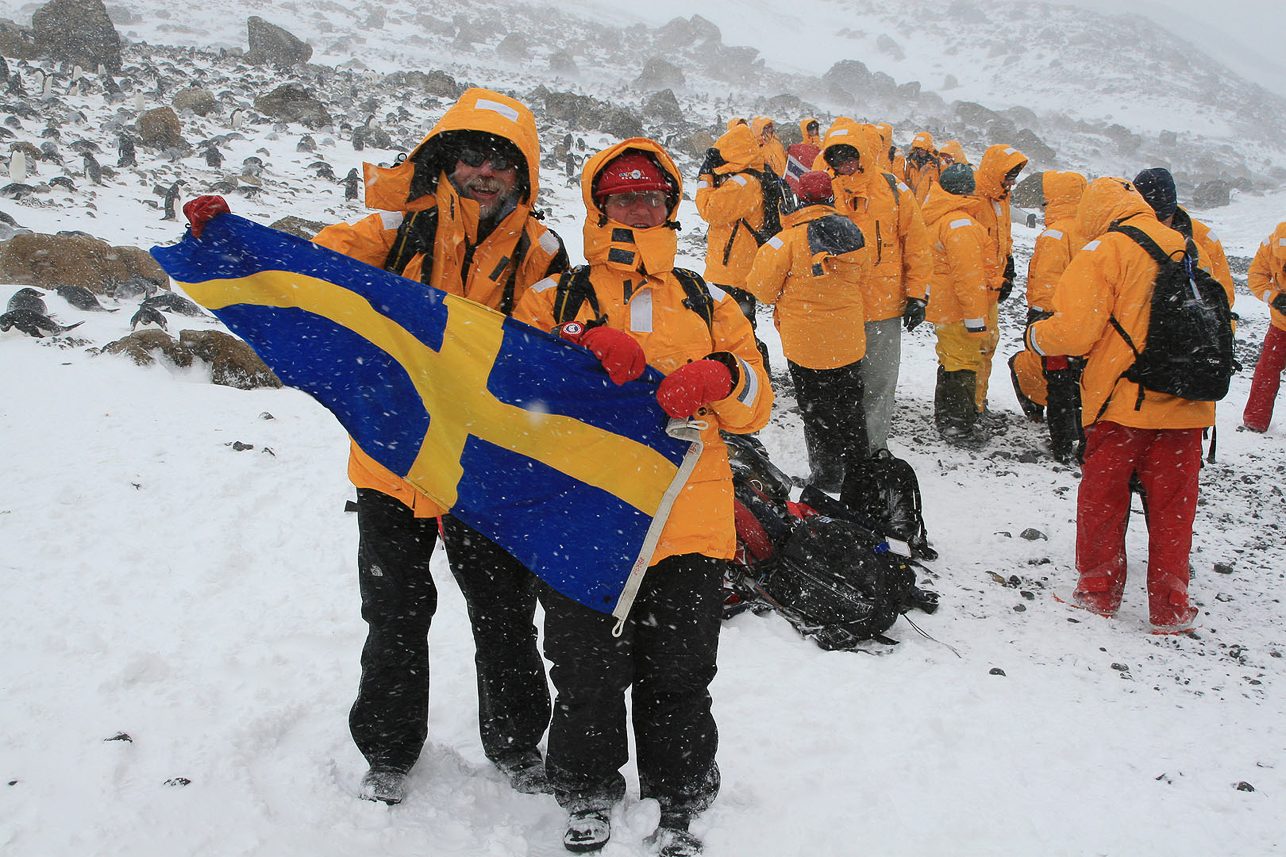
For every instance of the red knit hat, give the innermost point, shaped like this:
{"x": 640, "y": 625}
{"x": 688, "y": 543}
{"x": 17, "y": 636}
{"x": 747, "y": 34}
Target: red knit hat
{"x": 815, "y": 186}
{"x": 632, "y": 171}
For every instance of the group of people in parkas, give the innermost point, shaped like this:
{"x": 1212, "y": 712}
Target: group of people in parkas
{"x": 859, "y": 254}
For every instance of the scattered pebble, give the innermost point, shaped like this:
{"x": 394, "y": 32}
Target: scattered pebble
{"x": 178, "y": 781}
{"x": 239, "y": 446}
{"x": 1244, "y": 786}
{"x": 996, "y": 671}
{"x": 120, "y": 736}
{"x": 1122, "y": 667}
{"x": 1031, "y": 534}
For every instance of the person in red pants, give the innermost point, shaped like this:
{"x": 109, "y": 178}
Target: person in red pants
{"x": 1128, "y": 430}
{"x": 1268, "y": 283}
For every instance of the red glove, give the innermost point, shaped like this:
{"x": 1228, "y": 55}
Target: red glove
{"x": 201, "y": 209}
{"x": 689, "y": 387}
{"x": 620, "y": 353}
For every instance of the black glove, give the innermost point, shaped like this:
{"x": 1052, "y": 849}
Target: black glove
{"x": 1006, "y": 288}
{"x": 913, "y": 315}
{"x": 1279, "y": 303}
{"x": 713, "y": 160}
{"x": 1034, "y": 315}
{"x": 1010, "y": 273}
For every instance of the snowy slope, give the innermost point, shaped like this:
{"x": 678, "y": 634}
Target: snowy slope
{"x": 202, "y": 599}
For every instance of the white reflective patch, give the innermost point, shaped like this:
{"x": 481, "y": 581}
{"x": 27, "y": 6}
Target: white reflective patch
{"x": 751, "y": 391}
{"x": 391, "y": 219}
{"x": 1267, "y": 296}
{"x": 1037, "y": 308}
{"x": 840, "y": 132}
{"x": 702, "y": 183}
{"x": 641, "y": 311}
{"x": 741, "y": 180}
{"x": 496, "y": 107}
{"x": 1281, "y": 242}
{"x": 1091, "y": 245}
{"x": 549, "y": 243}
{"x": 1212, "y": 236}
{"x": 997, "y": 207}
{"x": 1009, "y": 150}
{"x": 1056, "y": 234}
{"x": 904, "y": 188}
{"x": 956, "y": 224}
{"x": 717, "y": 293}
{"x": 775, "y": 242}
{"x": 547, "y": 283}
{"x": 973, "y": 325}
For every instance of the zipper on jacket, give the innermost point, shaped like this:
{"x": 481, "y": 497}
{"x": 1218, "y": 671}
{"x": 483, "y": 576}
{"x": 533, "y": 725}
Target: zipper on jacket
{"x": 879, "y": 244}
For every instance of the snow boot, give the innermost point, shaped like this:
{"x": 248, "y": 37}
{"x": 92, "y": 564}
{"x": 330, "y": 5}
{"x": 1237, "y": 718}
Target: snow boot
{"x": 1064, "y": 414}
{"x": 587, "y": 830}
{"x": 673, "y": 842}
{"x": 825, "y": 462}
{"x": 954, "y": 412}
{"x": 1033, "y": 411}
{"x": 381, "y": 784}
{"x": 525, "y": 771}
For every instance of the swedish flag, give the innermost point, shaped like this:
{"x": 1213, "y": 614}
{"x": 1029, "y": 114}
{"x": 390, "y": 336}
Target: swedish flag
{"x": 520, "y": 434}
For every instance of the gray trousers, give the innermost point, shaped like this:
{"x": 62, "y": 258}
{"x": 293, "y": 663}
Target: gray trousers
{"x": 880, "y": 378}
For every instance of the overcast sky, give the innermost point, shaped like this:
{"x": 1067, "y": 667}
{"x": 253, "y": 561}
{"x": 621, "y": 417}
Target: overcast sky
{"x": 1246, "y": 35}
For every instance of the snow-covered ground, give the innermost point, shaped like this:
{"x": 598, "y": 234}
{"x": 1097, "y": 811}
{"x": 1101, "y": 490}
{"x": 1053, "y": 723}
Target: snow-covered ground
{"x": 179, "y": 632}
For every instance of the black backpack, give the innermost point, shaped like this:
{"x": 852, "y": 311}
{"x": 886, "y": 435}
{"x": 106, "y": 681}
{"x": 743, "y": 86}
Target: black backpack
{"x": 884, "y": 494}
{"x": 774, "y": 191}
{"x": 574, "y": 289}
{"x": 1189, "y": 348}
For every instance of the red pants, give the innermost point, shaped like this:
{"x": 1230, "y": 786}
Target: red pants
{"x": 1168, "y": 462}
{"x": 1268, "y": 377}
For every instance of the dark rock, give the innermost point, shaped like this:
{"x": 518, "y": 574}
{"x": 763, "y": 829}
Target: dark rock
{"x": 1033, "y": 147}
{"x": 663, "y": 107}
{"x": 563, "y": 63}
{"x": 48, "y": 261}
{"x": 1031, "y": 535}
{"x": 1121, "y": 667}
{"x": 682, "y": 33}
{"x": 513, "y": 47}
{"x": 624, "y": 123}
{"x": 232, "y": 362}
{"x": 17, "y": 43}
{"x": 577, "y": 111}
{"x": 160, "y": 128}
{"x": 1223, "y": 568}
{"x": 995, "y": 671}
{"x": 200, "y": 101}
{"x": 77, "y": 31}
{"x": 1244, "y": 786}
{"x": 1212, "y": 194}
{"x": 660, "y": 74}
{"x": 298, "y": 226}
{"x": 293, "y": 103}
{"x": 1169, "y": 139}
{"x": 885, "y": 45}
{"x": 140, "y": 345}
{"x": 273, "y": 45}
{"x": 972, "y": 113}
{"x": 1030, "y": 192}
{"x": 851, "y": 76}
{"x": 431, "y": 82}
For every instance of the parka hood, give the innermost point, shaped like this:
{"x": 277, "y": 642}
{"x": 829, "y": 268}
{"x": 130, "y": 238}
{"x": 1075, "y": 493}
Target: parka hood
{"x": 1062, "y": 192}
{"x": 955, "y": 150}
{"x": 759, "y": 123}
{"x": 996, "y": 162}
{"x": 923, "y": 140}
{"x": 940, "y": 203}
{"x": 814, "y": 139}
{"x": 740, "y": 150}
{"x": 865, "y": 138}
{"x": 622, "y": 247}
{"x": 411, "y": 184}
{"x": 1106, "y": 201}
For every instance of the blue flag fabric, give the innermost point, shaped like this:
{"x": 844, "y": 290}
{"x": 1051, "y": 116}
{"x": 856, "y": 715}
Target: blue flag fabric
{"x": 521, "y": 434}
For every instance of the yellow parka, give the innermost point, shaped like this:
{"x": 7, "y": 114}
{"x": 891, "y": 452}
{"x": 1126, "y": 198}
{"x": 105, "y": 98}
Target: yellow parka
{"x": 812, "y": 273}
{"x": 774, "y": 151}
{"x": 923, "y": 166}
{"x": 962, "y": 266}
{"x": 1210, "y": 254}
{"x": 1112, "y": 276}
{"x": 418, "y": 185}
{"x": 889, "y": 216}
{"x": 1060, "y": 240}
{"x": 955, "y": 151}
{"x": 996, "y": 162}
{"x": 810, "y": 139}
{"x": 1268, "y": 272}
{"x": 726, "y": 197}
{"x": 644, "y": 298}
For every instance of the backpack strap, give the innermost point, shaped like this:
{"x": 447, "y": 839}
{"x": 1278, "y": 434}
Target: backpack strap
{"x": 698, "y": 299}
{"x": 574, "y": 289}
{"x": 893, "y": 186}
{"x": 520, "y": 253}
{"x": 415, "y": 234}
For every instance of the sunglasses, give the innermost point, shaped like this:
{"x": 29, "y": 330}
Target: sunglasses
{"x": 650, "y": 198}
{"x": 477, "y": 157}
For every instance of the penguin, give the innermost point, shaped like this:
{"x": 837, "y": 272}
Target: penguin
{"x": 171, "y": 200}
{"x": 125, "y": 149}
{"x": 4, "y": 71}
{"x": 213, "y": 158}
{"x": 18, "y": 166}
{"x": 148, "y": 315}
{"x": 133, "y": 287}
{"x": 28, "y": 298}
{"x": 49, "y": 153}
{"x": 237, "y": 118}
{"x": 351, "y": 182}
{"x": 63, "y": 181}
{"x": 33, "y": 323}
{"x": 15, "y": 86}
{"x": 324, "y": 170}
{"x": 82, "y": 298}
{"x": 92, "y": 169}
{"x": 170, "y": 302}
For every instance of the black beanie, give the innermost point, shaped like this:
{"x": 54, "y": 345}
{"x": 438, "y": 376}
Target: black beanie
{"x": 1157, "y": 187}
{"x": 957, "y": 179}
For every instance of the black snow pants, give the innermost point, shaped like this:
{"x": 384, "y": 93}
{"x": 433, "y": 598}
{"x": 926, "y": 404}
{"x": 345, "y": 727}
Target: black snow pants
{"x": 830, "y": 404}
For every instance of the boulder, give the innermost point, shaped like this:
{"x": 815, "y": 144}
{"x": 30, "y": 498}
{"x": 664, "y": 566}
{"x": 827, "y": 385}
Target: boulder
{"x": 563, "y": 63}
{"x": 663, "y": 107}
{"x": 695, "y": 144}
{"x": 202, "y": 102}
{"x": 298, "y": 226}
{"x": 513, "y": 47}
{"x": 232, "y": 362}
{"x": 75, "y": 260}
{"x": 17, "y": 43}
{"x": 1212, "y": 194}
{"x": 272, "y": 45}
{"x": 660, "y": 74}
{"x": 577, "y": 111}
{"x": 1034, "y": 147}
{"x": 291, "y": 102}
{"x": 77, "y": 31}
{"x": 1168, "y": 139}
{"x": 431, "y": 82}
{"x": 850, "y": 76}
{"x": 623, "y": 123}
{"x": 159, "y": 128}
{"x": 140, "y": 345}
{"x": 682, "y": 33}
